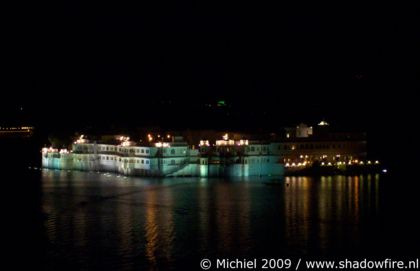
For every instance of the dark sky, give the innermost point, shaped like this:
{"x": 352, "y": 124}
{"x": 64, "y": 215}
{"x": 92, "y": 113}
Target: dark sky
{"x": 274, "y": 64}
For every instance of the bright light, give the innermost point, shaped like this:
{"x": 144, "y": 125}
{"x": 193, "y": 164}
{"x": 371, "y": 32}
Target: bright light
{"x": 226, "y": 136}
{"x": 384, "y": 171}
{"x": 323, "y": 123}
{"x": 242, "y": 142}
{"x": 361, "y": 163}
{"x": 287, "y": 164}
{"x": 124, "y": 138}
{"x": 168, "y": 136}
{"x": 322, "y": 163}
{"x": 204, "y": 143}
{"x": 225, "y": 142}
{"x": 369, "y": 162}
{"x": 162, "y": 145}
{"x": 329, "y": 163}
{"x": 50, "y": 149}
{"x": 287, "y": 135}
{"x": 376, "y": 162}
{"x": 81, "y": 140}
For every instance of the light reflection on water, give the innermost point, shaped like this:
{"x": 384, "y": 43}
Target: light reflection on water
{"x": 106, "y": 221}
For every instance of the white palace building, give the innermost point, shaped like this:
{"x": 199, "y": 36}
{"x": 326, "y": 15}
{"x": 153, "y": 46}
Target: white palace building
{"x": 225, "y": 157}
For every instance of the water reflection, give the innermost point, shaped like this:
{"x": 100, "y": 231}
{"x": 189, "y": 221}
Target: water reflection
{"x": 328, "y": 214}
{"x": 111, "y": 222}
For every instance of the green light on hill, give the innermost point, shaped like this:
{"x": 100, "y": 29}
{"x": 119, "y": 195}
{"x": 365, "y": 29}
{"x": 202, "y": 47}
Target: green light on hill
{"x": 221, "y": 103}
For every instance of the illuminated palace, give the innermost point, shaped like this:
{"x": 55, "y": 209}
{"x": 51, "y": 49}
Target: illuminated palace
{"x": 303, "y": 145}
{"x": 297, "y": 148}
{"x": 169, "y": 156}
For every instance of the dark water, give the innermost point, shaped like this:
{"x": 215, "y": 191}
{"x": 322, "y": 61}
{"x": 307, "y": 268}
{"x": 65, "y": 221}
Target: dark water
{"x": 93, "y": 221}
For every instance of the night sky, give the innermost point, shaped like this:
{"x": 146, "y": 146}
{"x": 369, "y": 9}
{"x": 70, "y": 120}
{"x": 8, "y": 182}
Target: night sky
{"x": 152, "y": 63}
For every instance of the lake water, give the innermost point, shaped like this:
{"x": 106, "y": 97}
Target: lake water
{"x": 111, "y": 222}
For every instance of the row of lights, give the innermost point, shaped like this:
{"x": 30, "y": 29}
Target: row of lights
{"x": 354, "y": 162}
{"x": 50, "y": 149}
{"x": 150, "y": 137}
{"x": 124, "y": 139}
{"x": 225, "y": 142}
{"x": 162, "y": 144}
{"x": 27, "y": 128}
{"x": 304, "y": 164}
